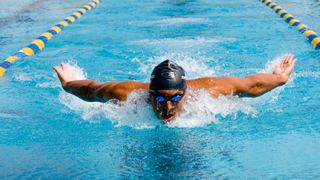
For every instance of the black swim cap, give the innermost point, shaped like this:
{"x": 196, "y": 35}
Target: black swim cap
{"x": 168, "y": 76}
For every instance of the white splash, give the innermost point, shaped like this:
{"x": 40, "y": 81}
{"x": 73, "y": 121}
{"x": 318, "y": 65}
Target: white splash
{"x": 77, "y": 71}
{"x": 200, "y": 108}
{"x": 87, "y": 109}
{"x": 134, "y": 112}
{"x": 271, "y": 64}
{"x": 196, "y": 64}
{"x": 312, "y": 74}
{"x": 22, "y": 77}
{"x": 272, "y": 96}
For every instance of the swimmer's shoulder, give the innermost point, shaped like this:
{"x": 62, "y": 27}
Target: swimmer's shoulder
{"x": 215, "y": 85}
{"x": 121, "y": 90}
{"x": 201, "y": 83}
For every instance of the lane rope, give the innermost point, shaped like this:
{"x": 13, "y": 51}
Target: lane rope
{"x": 38, "y": 44}
{"x": 311, "y": 35}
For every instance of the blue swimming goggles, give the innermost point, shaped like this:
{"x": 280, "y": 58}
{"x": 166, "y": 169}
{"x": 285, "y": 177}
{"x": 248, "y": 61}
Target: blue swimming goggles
{"x": 160, "y": 98}
{"x": 174, "y": 99}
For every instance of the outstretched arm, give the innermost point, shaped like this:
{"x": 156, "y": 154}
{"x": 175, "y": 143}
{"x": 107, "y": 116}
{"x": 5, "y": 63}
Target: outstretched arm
{"x": 93, "y": 91}
{"x": 258, "y": 84}
{"x": 87, "y": 90}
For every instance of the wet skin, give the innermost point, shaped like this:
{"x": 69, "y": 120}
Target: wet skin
{"x": 250, "y": 86}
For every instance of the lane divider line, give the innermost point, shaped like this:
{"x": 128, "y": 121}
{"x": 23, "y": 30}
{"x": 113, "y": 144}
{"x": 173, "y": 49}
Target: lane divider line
{"x": 38, "y": 44}
{"x": 311, "y": 35}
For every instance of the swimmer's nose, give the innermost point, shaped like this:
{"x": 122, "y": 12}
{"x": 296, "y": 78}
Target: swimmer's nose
{"x": 168, "y": 106}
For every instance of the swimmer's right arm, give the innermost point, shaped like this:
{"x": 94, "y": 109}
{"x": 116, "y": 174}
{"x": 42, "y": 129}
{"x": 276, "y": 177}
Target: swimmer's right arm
{"x": 93, "y": 91}
{"x": 88, "y": 90}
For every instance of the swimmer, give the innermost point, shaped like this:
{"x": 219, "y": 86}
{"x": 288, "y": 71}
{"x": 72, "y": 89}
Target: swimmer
{"x": 168, "y": 87}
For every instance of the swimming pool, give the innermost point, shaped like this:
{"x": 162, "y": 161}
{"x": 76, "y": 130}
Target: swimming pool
{"x": 45, "y": 133}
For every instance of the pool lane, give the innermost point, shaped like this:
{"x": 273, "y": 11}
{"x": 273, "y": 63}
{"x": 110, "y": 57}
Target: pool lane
{"x": 39, "y": 43}
{"x": 42, "y": 138}
{"x": 311, "y": 35}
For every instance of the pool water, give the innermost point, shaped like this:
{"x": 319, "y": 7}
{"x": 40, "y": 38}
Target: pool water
{"x": 46, "y": 133}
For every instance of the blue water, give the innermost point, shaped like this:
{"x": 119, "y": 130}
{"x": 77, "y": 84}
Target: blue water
{"x": 48, "y": 134}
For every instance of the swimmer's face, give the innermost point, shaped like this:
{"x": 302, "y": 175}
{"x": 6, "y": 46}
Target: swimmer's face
{"x": 167, "y": 104}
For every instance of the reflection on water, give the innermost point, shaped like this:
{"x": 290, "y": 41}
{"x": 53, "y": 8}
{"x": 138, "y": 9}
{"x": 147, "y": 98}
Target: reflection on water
{"x": 22, "y": 15}
{"x": 170, "y": 154}
{"x": 181, "y": 2}
{"x": 178, "y": 8}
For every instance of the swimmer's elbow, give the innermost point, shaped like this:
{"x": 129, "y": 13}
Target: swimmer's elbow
{"x": 251, "y": 87}
{"x": 83, "y": 89}
{"x": 252, "y": 93}
{"x": 257, "y": 89}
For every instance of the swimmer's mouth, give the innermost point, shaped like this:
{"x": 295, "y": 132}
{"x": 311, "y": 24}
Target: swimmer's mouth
{"x": 168, "y": 117}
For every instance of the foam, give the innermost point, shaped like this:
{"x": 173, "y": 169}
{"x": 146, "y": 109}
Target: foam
{"x": 200, "y": 110}
{"x": 135, "y": 112}
{"x": 271, "y": 64}
{"x": 38, "y": 76}
{"x": 22, "y": 77}
{"x": 195, "y": 64}
{"x": 78, "y": 72}
{"x": 312, "y": 74}
{"x": 272, "y": 96}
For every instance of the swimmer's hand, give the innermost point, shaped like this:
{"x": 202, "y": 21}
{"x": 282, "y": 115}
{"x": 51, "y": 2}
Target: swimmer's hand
{"x": 286, "y": 67}
{"x": 93, "y": 91}
{"x": 84, "y": 89}
{"x": 65, "y": 74}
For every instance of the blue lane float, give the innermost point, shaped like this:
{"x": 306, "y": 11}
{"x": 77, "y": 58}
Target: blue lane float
{"x": 311, "y": 35}
{"x": 38, "y": 44}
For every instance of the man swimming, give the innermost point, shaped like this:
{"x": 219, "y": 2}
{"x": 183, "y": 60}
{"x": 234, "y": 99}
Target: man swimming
{"x": 168, "y": 87}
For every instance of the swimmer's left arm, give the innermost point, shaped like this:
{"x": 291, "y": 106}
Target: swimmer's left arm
{"x": 258, "y": 84}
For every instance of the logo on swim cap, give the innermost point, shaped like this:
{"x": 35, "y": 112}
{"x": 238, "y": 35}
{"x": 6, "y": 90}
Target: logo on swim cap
{"x": 170, "y": 75}
{"x": 167, "y": 76}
